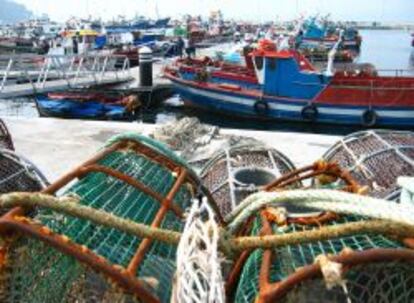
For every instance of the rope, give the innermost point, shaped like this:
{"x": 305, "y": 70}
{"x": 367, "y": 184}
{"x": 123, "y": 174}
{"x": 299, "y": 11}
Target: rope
{"x": 199, "y": 276}
{"x": 327, "y": 200}
{"x": 228, "y": 244}
{"x": 67, "y": 206}
{"x": 387, "y": 228}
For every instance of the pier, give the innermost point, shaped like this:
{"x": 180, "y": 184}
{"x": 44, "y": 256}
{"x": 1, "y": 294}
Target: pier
{"x": 57, "y": 145}
{"x": 42, "y": 74}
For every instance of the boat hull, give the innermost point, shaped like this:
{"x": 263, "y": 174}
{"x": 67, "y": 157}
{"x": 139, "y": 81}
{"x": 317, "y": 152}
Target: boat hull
{"x": 315, "y": 43}
{"x": 71, "y": 109}
{"x": 245, "y": 105}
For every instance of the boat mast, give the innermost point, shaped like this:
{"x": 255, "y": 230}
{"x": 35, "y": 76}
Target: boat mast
{"x": 331, "y": 56}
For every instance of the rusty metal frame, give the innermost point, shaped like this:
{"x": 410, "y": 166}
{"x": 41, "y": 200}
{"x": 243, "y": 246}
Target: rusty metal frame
{"x": 270, "y": 292}
{"x": 15, "y": 221}
{"x": 317, "y": 169}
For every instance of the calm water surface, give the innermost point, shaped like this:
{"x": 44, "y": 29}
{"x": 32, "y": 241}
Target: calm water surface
{"x": 387, "y": 50}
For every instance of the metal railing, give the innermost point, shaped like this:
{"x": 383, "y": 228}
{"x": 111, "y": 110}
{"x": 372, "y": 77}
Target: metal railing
{"x": 73, "y": 69}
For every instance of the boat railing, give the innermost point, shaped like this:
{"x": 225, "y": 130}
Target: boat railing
{"x": 396, "y": 72}
{"x": 74, "y": 70}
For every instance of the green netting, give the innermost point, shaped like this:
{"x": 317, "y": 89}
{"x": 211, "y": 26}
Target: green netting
{"x": 372, "y": 283}
{"x": 286, "y": 260}
{"x": 46, "y": 275}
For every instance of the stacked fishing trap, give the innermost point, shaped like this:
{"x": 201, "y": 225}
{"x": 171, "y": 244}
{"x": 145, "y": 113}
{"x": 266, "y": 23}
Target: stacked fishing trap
{"x": 360, "y": 267}
{"x": 16, "y": 172}
{"x": 376, "y": 158}
{"x": 233, "y": 174}
{"x": 135, "y": 223}
{"x": 58, "y": 256}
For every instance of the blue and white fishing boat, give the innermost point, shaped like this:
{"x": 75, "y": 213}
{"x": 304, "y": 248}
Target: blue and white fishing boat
{"x": 284, "y": 85}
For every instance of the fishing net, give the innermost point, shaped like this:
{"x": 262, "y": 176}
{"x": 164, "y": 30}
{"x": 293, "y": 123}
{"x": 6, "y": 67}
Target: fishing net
{"x": 5, "y": 137}
{"x": 233, "y": 174}
{"x": 57, "y": 257}
{"x": 376, "y": 158}
{"x": 185, "y": 134}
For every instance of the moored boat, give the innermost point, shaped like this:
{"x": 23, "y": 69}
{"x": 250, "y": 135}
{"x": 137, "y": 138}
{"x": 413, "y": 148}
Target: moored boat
{"x": 80, "y": 105}
{"x": 316, "y": 33}
{"x": 284, "y": 85}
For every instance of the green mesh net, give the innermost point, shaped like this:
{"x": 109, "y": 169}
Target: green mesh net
{"x": 36, "y": 272}
{"x": 377, "y": 282}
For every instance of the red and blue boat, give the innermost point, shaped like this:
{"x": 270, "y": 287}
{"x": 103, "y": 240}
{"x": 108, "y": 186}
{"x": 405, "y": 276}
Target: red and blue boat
{"x": 284, "y": 85}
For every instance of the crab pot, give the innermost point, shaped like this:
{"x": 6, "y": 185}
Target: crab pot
{"x": 234, "y": 174}
{"x": 62, "y": 258}
{"x": 5, "y": 137}
{"x": 18, "y": 175}
{"x": 374, "y": 269}
{"x": 376, "y": 159}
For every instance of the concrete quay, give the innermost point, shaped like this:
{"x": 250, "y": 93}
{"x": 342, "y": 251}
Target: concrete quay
{"x": 56, "y": 146}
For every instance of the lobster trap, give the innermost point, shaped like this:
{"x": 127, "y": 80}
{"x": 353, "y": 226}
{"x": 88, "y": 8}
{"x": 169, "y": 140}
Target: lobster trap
{"x": 235, "y": 173}
{"x": 63, "y": 257}
{"x": 19, "y": 174}
{"x": 376, "y": 158}
{"x": 372, "y": 268}
{"x": 353, "y": 268}
{"x": 6, "y": 141}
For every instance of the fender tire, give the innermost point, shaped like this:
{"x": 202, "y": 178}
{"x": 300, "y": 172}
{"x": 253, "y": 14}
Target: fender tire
{"x": 369, "y": 118}
{"x": 261, "y": 108}
{"x": 310, "y": 113}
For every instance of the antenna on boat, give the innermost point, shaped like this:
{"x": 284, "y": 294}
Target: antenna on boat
{"x": 331, "y": 55}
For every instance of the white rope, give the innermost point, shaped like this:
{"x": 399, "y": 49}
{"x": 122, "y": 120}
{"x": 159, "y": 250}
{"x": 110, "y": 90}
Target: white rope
{"x": 198, "y": 276}
{"x": 328, "y": 200}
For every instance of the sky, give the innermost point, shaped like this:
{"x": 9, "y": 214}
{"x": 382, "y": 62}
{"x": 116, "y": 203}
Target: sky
{"x": 260, "y": 10}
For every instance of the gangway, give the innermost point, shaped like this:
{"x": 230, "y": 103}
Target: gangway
{"x": 25, "y": 75}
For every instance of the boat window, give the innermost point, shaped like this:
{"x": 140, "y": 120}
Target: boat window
{"x": 89, "y": 39}
{"x": 272, "y": 63}
{"x": 259, "y": 62}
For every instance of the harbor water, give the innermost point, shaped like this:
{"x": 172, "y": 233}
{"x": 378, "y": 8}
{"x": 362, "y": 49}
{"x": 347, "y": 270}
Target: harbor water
{"x": 387, "y": 50}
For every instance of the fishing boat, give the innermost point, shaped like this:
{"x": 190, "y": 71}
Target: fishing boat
{"x": 282, "y": 84}
{"x": 315, "y": 33}
{"x": 81, "y": 105}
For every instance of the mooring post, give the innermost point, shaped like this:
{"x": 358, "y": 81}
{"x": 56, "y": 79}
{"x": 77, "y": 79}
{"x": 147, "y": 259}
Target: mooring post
{"x": 145, "y": 66}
